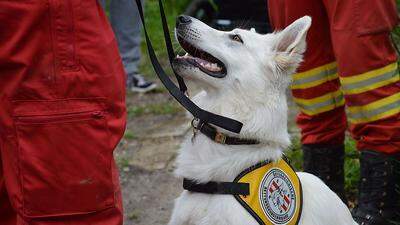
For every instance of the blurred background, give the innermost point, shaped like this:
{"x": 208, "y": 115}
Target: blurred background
{"x": 157, "y": 124}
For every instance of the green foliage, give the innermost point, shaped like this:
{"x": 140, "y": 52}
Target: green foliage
{"x": 173, "y": 8}
{"x": 295, "y": 154}
{"x": 396, "y": 31}
{"x": 351, "y": 167}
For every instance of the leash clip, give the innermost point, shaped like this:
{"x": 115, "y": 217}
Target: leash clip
{"x": 196, "y": 126}
{"x": 187, "y": 93}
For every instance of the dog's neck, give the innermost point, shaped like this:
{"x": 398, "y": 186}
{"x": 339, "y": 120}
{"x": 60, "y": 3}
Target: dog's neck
{"x": 264, "y": 115}
{"x": 204, "y": 160}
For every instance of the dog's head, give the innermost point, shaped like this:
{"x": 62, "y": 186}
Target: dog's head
{"x": 240, "y": 70}
{"x": 239, "y": 58}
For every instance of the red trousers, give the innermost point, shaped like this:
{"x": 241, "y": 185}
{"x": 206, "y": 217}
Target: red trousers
{"x": 350, "y": 63}
{"x": 62, "y": 113}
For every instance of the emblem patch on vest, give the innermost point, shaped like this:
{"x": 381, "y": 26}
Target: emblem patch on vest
{"x": 277, "y": 196}
{"x": 275, "y": 193}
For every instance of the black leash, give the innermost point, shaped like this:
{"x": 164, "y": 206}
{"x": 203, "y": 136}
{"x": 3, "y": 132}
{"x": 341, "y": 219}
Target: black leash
{"x": 179, "y": 94}
{"x": 170, "y": 49}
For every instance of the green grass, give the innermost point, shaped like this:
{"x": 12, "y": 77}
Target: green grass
{"x": 166, "y": 108}
{"x": 129, "y": 135}
{"x": 122, "y": 162}
{"x": 351, "y": 167}
{"x": 173, "y": 8}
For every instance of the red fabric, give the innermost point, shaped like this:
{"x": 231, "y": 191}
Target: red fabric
{"x": 382, "y": 135}
{"x": 325, "y": 128}
{"x": 62, "y": 114}
{"x": 317, "y": 91}
{"x": 349, "y": 32}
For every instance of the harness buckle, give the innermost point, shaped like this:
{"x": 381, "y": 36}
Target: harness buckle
{"x": 220, "y": 138}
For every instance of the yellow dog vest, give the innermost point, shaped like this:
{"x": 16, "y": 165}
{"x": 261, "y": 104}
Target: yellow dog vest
{"x": 275, "y": 193}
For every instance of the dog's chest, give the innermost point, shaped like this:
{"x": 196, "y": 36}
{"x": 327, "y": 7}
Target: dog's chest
{"x": 268, "y": 192}
{"x": 221, "y": 210}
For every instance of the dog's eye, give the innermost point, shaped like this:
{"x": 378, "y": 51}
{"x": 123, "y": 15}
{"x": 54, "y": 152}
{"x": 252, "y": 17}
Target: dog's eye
{"x": 236, "y": 37}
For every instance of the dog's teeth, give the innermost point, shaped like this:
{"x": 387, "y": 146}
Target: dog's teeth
{"x": 187, "y": 54}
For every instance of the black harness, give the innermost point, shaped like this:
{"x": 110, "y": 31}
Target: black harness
{"x": 222, "y": 188}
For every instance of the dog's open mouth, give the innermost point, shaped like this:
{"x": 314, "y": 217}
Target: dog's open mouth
{"x": 202, "y": 60}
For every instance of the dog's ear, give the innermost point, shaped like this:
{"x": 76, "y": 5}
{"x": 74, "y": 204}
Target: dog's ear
{"x": 290, "y": 43}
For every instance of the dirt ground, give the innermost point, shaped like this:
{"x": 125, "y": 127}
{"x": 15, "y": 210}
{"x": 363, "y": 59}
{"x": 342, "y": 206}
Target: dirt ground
{"x": 156, "y": 127}
{"x": 145, "y": 157}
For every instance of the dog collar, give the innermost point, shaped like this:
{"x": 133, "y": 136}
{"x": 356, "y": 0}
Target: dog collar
{"x": 270, "y": 191}
{"x": 221, "y": 138}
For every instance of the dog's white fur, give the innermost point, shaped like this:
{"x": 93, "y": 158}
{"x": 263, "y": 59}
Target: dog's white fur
{"x": 253, "y": 92}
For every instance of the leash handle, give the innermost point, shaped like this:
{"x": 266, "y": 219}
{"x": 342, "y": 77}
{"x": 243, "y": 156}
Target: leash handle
{"x": 205, "y": 116}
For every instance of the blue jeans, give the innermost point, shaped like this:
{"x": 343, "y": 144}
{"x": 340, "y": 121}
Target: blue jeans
{"x": 125, "y": 20}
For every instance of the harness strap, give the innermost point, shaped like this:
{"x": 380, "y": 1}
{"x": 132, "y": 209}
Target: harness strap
{"x": 221, "y": 138}
{"x": 205, "y": 116}
{"x": 224, "y": 188}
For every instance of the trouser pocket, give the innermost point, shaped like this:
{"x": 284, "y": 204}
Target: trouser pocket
{"x": 64, "y": 158}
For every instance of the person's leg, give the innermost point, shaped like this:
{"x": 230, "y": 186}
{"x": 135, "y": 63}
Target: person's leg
{"x": 103, "y": 3}
{"x": 316, "y": 91}
{"x": 371, "y": 84}
{"x": 125, "y": 20}
{"x": 62, "y": 114}
{"x": 7, "y": 214}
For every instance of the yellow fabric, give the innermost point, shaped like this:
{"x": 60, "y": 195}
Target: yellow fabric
{"x": 323, "y": 109}
{"x": 372, "y": 86}
{"x": 319, "y": 99}
{"x": 316, "y": 72}
{"x": 375, "y": 110}
{"x": 363, "y": 80}
{"x": 368, "y": 75}
{"x": 254, "y": 202}
{"x": 321, "y": 104}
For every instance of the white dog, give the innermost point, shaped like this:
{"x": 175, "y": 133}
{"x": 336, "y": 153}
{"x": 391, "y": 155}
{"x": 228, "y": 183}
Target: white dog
{"x": 244, "y": 76}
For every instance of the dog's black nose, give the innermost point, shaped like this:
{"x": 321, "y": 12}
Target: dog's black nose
{"x": 183, "y": 20}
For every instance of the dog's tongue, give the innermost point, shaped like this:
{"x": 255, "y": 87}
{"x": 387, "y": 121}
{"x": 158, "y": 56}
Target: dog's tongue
{"x": 213, "y": 67}
{"x": 207, "y": 65}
